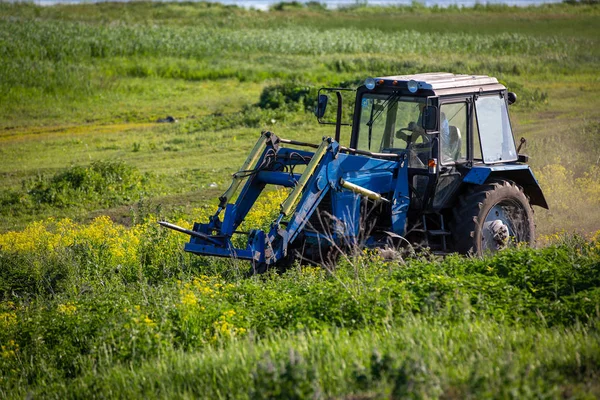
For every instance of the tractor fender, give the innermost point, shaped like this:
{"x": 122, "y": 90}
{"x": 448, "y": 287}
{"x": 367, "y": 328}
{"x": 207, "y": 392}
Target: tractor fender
{"x": 521, "y": 174}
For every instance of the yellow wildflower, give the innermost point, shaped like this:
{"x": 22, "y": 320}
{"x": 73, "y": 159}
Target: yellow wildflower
{"x": 10, "y": 350}
{"x": 149, "y": 322}
{"x": 8, "y": 319}
{"x": 188, "y": 298}
{"x": 68, "y": 308}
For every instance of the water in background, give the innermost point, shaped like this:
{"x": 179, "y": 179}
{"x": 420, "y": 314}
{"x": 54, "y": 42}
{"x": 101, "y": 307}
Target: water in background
{"x": 265, "y": 4}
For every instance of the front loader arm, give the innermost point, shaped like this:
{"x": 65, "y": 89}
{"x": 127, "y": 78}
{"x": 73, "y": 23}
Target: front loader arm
{"x": 268, "y": 163}
{"x": 265, "y": 165}
{"x": 310, "y": 187}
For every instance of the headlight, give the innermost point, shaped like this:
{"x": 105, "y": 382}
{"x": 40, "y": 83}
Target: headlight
{"x": 370, "y": 83}
{"x": 413, "y": 86}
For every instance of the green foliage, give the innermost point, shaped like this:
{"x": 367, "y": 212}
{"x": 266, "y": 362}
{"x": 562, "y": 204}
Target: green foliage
{"x": 316, "y": 5}
{"x": 96, "y": 309}
{"x": 102, "y": 182}
{"x": 71, "y": 190}
{"x": 289, "y": 96}
{"x": 287, "y": 5}
{"x": 48, "y": 41}
{"x": 42, "y": 58}
{"x": 129, "y": 296}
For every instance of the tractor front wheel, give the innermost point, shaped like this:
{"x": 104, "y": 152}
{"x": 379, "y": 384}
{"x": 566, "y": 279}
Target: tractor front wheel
{"x": 491, "y": 217}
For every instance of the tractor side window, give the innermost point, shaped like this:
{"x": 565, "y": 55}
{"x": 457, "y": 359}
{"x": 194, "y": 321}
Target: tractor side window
{"x": 495, "y": 134}
{"x": 453, "y": 131}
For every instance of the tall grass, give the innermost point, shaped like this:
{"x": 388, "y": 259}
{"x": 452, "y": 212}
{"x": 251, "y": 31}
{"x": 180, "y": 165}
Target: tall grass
{"x": 48, "y": 40}
{"x": 64, "y": 56}
{"x": 52, "y": 56}
{"x": 100, "y": 306}
{"x": 420, "y": 358}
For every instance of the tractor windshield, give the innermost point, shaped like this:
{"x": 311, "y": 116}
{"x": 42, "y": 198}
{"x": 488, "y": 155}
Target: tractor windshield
{"x": 390, "y": 123}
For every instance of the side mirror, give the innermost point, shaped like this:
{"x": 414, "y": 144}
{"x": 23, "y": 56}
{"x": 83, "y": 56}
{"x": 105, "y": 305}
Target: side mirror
{"x": 321, "y": 106}
{"x": 429, "y": 118}
{"x": 512, "y": 98}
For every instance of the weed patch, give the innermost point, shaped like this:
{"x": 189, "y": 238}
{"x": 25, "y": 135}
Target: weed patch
{"x": 102, "y": 183}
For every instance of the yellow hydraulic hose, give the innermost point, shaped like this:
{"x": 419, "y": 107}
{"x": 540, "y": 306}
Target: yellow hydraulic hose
{"x": 362, "y": 191}
{"x": 287, "y": 205}
{"x": 250, "y": 161}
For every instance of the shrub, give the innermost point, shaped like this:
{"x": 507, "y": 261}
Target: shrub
{"x": 527, "y": 97}
{"x": 103, "y": 182}
{"x": 290, "y": 96}
{"x": 287, "y": 5}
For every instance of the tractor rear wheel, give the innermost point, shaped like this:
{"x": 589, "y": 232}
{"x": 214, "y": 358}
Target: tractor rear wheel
{"x": 491, "y": 217}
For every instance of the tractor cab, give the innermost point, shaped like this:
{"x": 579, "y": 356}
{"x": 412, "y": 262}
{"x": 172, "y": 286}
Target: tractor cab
{"x": 454, "y": 131}
{"x": 433, "y": 117}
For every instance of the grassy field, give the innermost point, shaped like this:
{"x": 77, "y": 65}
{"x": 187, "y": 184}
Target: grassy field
{"x": 98, "y": 309}
{"x": 87, "y": 83}
{"x": 103, "y": 303}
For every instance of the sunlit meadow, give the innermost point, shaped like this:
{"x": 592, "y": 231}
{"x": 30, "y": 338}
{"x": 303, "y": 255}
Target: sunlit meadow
{"x": 99, "y": 301}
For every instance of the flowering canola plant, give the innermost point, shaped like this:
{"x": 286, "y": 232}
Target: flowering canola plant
{"x": 114, "y": 243}
{"x": 51, "y": 236}
{"x": 118, "y": 245}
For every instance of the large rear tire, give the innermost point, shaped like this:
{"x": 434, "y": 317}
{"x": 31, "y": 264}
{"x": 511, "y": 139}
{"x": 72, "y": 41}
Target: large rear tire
{"x": 491, "y": 217}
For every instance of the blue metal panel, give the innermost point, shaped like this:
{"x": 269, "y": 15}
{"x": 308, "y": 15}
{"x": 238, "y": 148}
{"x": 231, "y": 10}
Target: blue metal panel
{"x": 477, "y": 175}
{"x": 401, "y": 200}
{"x": 519, "y": 173}
{"x": 277, "y": 178}
{"x": 346, "y": 207}
{"x": 256, "y": 244}
{"x": 379, "y": 181}
{"x": 351, "y": 163}
{"x": 211, "y": 250}
{"x": 227, "y": 227}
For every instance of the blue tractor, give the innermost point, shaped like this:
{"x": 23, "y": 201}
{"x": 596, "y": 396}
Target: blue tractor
{"x": 431, "y": 161}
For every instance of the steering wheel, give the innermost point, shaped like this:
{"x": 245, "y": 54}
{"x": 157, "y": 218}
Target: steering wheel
{"x": 400, "y": 134}
{"x": 414, "y": 132}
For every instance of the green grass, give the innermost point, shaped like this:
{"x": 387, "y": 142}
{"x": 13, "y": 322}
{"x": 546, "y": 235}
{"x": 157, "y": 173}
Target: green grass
{"x": 123, "y": 312}
{"x": 115, "y": 309}
{"x": 86, "y": 83}
{"x": 488, "y": 360}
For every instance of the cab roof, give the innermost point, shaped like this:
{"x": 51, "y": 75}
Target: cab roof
{"x": 443, "y": 83}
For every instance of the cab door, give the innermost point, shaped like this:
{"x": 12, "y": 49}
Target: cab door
{"x": 454, "y": 127}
